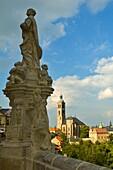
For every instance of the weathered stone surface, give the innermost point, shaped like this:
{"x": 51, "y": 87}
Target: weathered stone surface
{"x": 63, "y": 163}
{"x": 12, "y": 164}
{"x": 39, "y": 166}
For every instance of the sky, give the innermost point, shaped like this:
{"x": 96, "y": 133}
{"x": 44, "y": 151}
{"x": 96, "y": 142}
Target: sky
{"x": 77, "y": 41}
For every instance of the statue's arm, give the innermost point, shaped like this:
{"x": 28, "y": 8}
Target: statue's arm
{"x": 26, "y": 24}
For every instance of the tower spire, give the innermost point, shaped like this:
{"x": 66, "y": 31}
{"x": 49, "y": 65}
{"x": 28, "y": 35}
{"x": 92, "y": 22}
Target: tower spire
{"x": 61, "y": 97}
{"x": 60, "y": 112}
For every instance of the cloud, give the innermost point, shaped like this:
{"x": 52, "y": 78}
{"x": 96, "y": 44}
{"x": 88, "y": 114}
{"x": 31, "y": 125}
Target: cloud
{"x": 53, "y": 32}
{"x": 99, "y": 86}
{"x": 105, "y": 66}
{"x": 97, "y": 5}
{"x": 49, "y": 12}
{"x": 106, "y": 94}
{"x": 52, "y": 11}
{"x": 88, "y": 97}
{"x": 109, "y": 113}
{"x": 102, "y": 47}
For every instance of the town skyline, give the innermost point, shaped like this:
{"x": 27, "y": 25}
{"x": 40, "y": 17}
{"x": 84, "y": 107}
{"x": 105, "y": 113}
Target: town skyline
{"x": 77, "y": 42}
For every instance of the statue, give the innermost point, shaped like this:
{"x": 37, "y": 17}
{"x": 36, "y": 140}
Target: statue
{"x": 16, "y": 74}
{"x": 28, "y": 88}
{"x": 30, "y": 47}
{"x": 45, "y": 78}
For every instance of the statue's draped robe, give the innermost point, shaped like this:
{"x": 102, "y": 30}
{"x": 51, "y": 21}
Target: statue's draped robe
{"x": 30, "y": 48}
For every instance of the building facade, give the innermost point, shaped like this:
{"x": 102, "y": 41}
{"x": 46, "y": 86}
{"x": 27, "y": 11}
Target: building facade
{"x": 70, "y": 126}
{"x": 99, "y": 134}
{"x": 5, "y": 118}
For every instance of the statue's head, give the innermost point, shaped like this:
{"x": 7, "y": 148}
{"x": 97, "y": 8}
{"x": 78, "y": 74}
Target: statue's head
{"x": 44, "y": 67}
{"x": 31, "y": 11}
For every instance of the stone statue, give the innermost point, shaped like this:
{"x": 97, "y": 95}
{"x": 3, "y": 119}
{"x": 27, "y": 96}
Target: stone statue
{"x": 45, "y": 78}
{"x": 16, "y": 74}
{"x": 28, "y": 88}
{"x": 30, "y": 48}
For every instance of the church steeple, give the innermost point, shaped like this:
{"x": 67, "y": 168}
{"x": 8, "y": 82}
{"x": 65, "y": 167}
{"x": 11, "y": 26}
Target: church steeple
{"x": 110, "y": 124}
{"x": 101, "y": 125}
{"x": 61, "y": 97}
{"x": 60, "y": 112}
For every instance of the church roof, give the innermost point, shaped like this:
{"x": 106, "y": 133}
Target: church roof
{"x": 5, "y": 111}
{"x": 109, "y": 129}
{"x": 76, "y": 121}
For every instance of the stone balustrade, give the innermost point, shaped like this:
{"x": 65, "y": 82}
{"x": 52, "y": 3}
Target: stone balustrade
{"x": 49, "y": 161}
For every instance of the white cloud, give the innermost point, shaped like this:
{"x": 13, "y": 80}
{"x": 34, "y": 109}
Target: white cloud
{"x": 106, "y": 94}
{"x": 105, "y": 66}
{"x": 85, "y": 96}
{"x": 53, "y": 32}
{"x": 49, "y": 11}
{"x": 97, "y": 5}
{"x": 98, "y": 86}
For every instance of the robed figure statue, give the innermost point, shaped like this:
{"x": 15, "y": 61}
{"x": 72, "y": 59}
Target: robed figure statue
{"x": 30, "y": 47}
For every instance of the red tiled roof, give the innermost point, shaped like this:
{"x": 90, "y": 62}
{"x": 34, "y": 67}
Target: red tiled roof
{"x": 54, "y": 129}
{"x": 59, "y": 138}
{"x": 100, "y": 130}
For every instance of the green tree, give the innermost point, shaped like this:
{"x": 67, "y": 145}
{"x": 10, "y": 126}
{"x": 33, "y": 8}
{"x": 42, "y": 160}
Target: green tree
{"x": 64, "y": 138}
{"x": 71, "y": 150}
{"x": 98, "y": 153}
{"x": 84, "y": 131}
{"x": 111, "y": 139}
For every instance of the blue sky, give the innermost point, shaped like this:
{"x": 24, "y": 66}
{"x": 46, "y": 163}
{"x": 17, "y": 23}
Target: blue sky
{"x": 76, "y": 37}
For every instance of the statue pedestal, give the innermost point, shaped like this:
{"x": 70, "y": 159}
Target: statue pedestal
{"x": 29, "y": 115}
{"x": 29, "y": 128}
{"x": 13, "y": 158}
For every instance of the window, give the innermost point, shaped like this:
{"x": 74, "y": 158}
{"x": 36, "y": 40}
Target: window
{"x": 7, "y": 122}
{"x": 63, "y": 129}
{"x": 59, "y": 106}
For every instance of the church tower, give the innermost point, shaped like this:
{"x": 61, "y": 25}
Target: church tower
{"x": 60, "y": 112}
